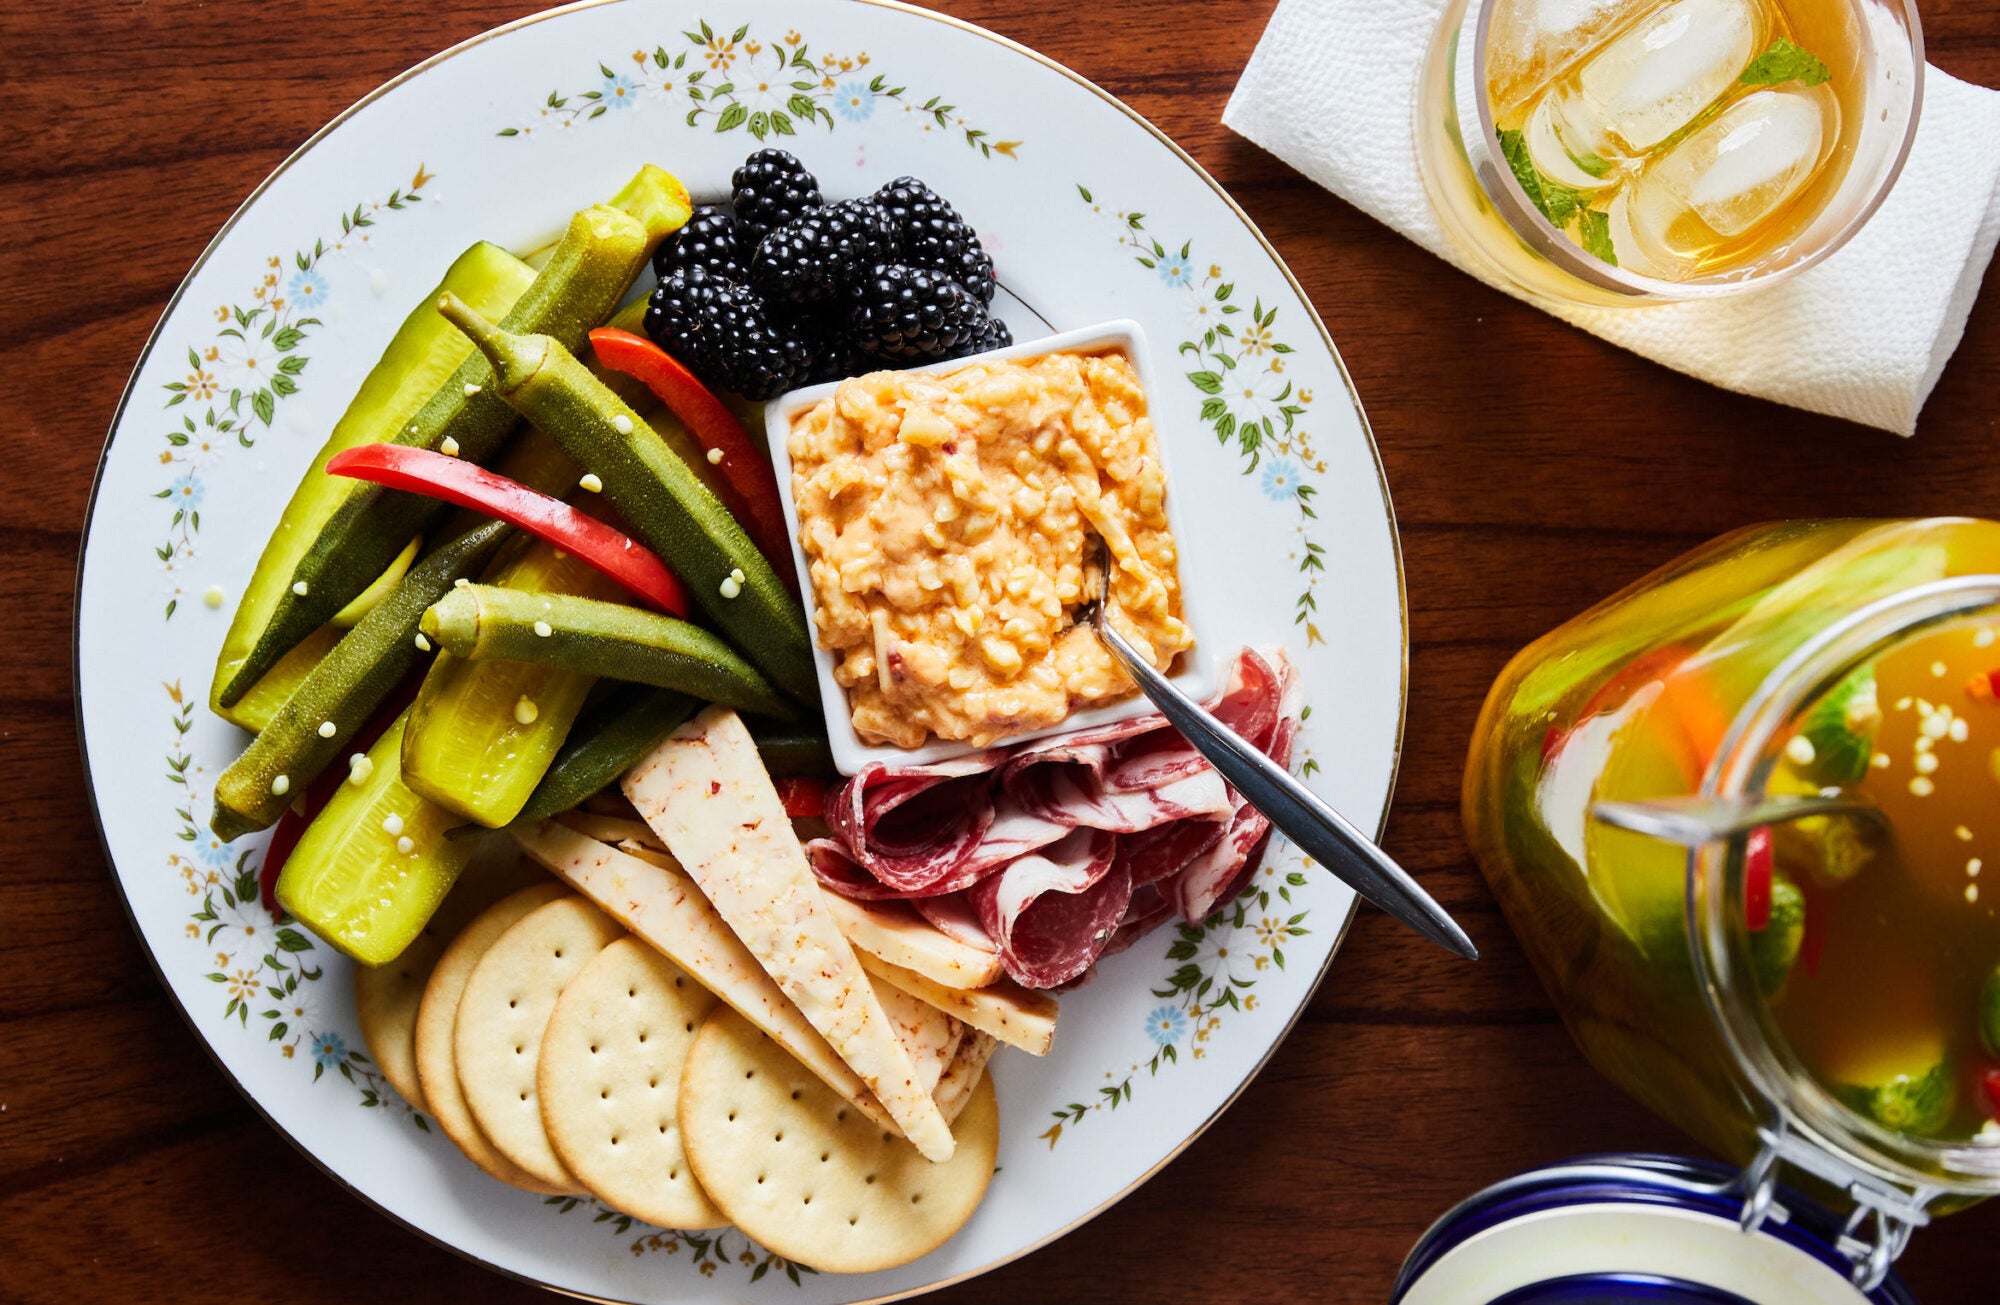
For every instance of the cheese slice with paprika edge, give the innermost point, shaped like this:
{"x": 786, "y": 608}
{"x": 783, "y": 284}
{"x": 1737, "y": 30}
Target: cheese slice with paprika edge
{"x": 706, "y": 793}
{"x": 652, "y": 896}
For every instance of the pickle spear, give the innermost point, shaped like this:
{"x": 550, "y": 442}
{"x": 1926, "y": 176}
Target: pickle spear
{"x": 683, "y": 520}
{"x": 420, "y": 357}
{"x": 590, "y": 270}
{"x": 374, "y": 864}
{"x": 341, "y": 691}
{"x": 482, "y": 733}
{"x": 609, "y": 640}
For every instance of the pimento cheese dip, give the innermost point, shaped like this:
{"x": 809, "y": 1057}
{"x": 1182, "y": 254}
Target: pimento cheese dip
{"x": 946, "y": 519}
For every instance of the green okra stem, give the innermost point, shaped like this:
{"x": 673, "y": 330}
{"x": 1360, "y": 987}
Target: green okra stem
{"x": 342, "y": 691}
{"x": 666, "y": 502}
{"x": 608, "y": 640}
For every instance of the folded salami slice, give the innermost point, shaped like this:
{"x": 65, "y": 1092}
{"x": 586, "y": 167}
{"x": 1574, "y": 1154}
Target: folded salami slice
{"x": 1053, "y": 911}
{"x": 1060, "y": 851}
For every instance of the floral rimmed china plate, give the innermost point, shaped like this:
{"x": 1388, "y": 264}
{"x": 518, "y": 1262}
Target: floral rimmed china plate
{"x": 1090, "y": 215}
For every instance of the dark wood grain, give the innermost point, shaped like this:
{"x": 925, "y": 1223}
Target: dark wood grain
{"x": 131, "y": 1170}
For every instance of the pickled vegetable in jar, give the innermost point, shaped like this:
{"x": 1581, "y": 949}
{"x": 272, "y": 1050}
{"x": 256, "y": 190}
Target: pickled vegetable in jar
{"x": 1824, "y": 987}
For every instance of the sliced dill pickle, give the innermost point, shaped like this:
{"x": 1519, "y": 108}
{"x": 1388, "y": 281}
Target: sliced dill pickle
{"x": 604, "y": 248}
{"x": 482, "y": 733}
{"x": 374, "y": 864}
{"x": 609, "y": 640}
{"x": 629, "y": 723}
{"x": 254, "y": 710}
{"x": 341, "y": 691}
{"x": 421, "y": 356}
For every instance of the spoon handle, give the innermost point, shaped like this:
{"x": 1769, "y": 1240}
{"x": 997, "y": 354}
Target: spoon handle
{"x": 1695, "y": 820}
{"x": 1297, "y": 812}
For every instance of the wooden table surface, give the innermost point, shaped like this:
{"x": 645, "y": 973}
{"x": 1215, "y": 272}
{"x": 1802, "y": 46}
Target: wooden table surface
{"x": 131, "y": 1170}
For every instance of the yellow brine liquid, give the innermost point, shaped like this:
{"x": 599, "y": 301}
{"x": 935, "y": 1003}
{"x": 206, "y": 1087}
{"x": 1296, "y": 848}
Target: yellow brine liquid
{"x": 1677, "y": 138}
{"x": 1892, "y": 1003}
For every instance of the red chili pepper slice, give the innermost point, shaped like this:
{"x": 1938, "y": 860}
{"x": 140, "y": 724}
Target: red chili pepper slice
{"x": 1989, "y": 1082}
{"x": 439, "y": 476}
{"x": 745, "y": 469}
{"x": 804, "y": 796}
{"x": 1757, "y": 880}
{"x": 285, "y": 836}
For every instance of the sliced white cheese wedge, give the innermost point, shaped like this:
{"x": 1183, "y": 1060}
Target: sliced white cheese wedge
{"x": 897, "y": 934}
{"x": 1020, "y": 1017}
{"x": 706, "y": 793}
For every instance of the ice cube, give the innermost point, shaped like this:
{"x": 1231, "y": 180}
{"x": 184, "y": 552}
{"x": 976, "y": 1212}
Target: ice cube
{"x": 1721, "y": 182}
{"x": 1654, "y": 78}
{"x": 1529, "y": 43}
{"x": 1752, "y": 159}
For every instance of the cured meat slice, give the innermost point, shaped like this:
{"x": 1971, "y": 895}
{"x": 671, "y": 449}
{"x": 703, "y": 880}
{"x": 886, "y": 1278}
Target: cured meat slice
{"x": 955, "y": 916}
{"x": 1053, "y": 911}
{"x": 1147, "y": 911}
{"x": 1053, "y": 852}
{"x": 1161, "y": 853}
{"x": 1218, "y": 874}
{"x": 1069, "y": 794}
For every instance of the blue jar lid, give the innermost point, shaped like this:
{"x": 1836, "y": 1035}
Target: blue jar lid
{"x": 1632, "y": 1230}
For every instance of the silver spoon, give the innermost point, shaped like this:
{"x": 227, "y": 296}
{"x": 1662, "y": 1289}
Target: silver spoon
{"x": 1295, "y": 810}
{"x": 1695, "y": 820}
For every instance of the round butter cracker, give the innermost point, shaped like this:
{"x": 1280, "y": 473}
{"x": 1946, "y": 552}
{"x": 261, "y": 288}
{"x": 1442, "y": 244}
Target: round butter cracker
{"x": 805, "y": 1174}
{"x": 497, "y": 1041}
{"x": 437, "y": 1017}
{"x": 610, "y": 1078}
{"x": 386, "y": 998}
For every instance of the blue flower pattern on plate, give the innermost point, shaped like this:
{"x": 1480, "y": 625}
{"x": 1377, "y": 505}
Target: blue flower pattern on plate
{"x": 328, "y": 1051}
{"x": 1281, "y": 479}
{"x": 619, "y": 92}
{"x": 1166, "y": 1025}
{"x": 855, "y": 101}
{"x": 306, "y": 290}
{"x": 186, "y": 491}
{"x": 1174, "y": 271}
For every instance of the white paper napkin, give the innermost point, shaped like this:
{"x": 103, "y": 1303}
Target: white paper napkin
{"x": 1331, "y": 90}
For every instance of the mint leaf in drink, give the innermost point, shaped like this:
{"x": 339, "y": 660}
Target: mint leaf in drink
{"x": 1783, "y": 61}
{"x": 1558, "y": 203}
{"x": 1596, "y": 165}
{"x": 1595, "y": 229}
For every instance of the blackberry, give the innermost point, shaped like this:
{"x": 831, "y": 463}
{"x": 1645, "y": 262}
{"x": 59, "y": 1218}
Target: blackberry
{"x": 725, "y": 335}
{"x": 930, "y": 233}
{"x": 711, "y": 240}
{"x": 772, "y": 189}
{"x": 906, "y": 314}
{"x": 992, "y": 334}
{"x": 813, "y": 258}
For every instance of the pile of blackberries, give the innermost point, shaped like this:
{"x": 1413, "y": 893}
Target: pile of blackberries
{"x": 783, "y": 289}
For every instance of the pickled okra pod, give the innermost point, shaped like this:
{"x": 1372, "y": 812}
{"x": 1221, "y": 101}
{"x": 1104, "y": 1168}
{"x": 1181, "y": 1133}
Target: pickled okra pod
{"x": 629, "y": 723}
{"x": 419, "y": 358}
{"x": 669, "y": 506}
{"x": 608, "y": 640}
{"x": 337, "y": 695}
{"x": 604, "y": 248}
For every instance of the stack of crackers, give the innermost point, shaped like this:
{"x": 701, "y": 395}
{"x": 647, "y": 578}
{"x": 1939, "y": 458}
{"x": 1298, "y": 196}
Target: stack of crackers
{"x": 684, "y": 1024}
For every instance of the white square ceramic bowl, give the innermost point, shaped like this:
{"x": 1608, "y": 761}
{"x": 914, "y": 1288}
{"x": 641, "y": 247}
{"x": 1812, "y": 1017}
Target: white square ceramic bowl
{"x": 1194, "y": 671}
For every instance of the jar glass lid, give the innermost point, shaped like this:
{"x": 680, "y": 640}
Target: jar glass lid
{"x": 1634, "y": 1228}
